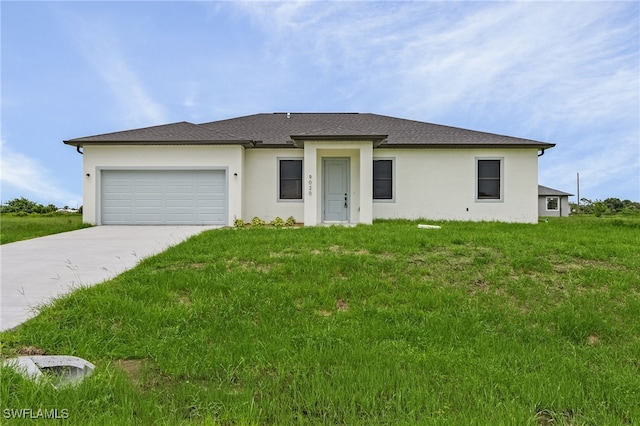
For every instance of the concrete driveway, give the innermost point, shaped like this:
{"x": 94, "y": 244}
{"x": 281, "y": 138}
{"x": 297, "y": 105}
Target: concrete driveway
{"x": 35, "y": 271}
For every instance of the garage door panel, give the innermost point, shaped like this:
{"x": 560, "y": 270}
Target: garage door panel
{"x": 164, "y": 197}
{"x": 116, "y": 190}
{"x": 122, "y": 205}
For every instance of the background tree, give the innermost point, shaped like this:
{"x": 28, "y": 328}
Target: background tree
{"x": 23, "y": 205}
{"x": 614, "y": 205}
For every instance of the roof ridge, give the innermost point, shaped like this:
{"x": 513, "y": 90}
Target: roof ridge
{"x": 277, "y": 128}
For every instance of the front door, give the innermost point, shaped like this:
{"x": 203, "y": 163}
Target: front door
{"x": 336, "y": 189}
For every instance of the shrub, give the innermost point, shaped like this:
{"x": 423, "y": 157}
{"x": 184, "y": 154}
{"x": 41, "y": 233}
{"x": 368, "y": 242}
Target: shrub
{"x": 599, "y": 208}
{"x": 238, "y": 223}
{"x": 291, "y": 221}
{"x": 277, "y": 222}
{"x": 257, "y": 222}
{"x": 630, "y": 211}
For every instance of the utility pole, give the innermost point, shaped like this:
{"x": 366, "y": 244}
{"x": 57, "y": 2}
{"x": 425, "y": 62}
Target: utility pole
{"x": 578, "y": 182}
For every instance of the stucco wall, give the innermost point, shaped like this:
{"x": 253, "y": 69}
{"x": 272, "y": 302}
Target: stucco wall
{"x": 441, "y": 184}
{"x": 261, "y": 186}
{"x": 428, "y": 183}
{"x": 563, "y": 211}
{"x": 261, "y": 182}
{"x": 98, "y": 158}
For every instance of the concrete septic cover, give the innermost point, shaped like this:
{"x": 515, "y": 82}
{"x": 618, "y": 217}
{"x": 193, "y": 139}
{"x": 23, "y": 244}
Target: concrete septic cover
{"x": 63, "y": 369}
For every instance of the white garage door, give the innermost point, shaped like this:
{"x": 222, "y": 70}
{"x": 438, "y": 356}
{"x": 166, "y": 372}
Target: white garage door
{"x": 164, "y": 197}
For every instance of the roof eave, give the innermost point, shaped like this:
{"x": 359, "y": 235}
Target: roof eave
{"x": 244, "y": 142}
{"x": 465, "y": 145}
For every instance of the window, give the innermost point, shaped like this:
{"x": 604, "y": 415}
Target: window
{"x": 383, "y": 179}
{"x": 553, "y": 203}
{"x": 489, "y": 179}
{"x": 290, "y": 187}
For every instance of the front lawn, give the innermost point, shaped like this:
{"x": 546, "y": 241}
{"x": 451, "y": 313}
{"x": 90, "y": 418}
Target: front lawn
{"x": 17, "y": 228}
{"x": 474, "y": 323}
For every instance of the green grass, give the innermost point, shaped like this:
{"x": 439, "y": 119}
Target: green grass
{"x": 475, "y": 323}
{"x": 17, "y": 228}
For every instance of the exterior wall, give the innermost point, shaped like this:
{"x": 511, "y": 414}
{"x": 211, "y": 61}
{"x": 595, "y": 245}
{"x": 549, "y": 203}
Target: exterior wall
{"x": 98, "y": 158}
{"x": 360, "y": 179}
{"x": 436, "y": 184}
{"x": 564, "y": 211}
{"x": 261, "y": 182}
{"x": 564, "y": 206}
{"x": 440, "y": 184}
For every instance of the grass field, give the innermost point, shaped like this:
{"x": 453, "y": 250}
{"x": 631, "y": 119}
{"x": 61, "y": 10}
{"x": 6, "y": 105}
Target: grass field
{"x": 475, "y": 323}
{"x": 16, "y": 228}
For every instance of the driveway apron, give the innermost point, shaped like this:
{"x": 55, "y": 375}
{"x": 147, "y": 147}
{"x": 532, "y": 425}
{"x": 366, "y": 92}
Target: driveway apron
{"x": 38, "y": 270}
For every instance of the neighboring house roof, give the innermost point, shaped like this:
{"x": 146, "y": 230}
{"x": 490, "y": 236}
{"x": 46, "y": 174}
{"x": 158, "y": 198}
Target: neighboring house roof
{"x": 292, "y": 129}
{"x": 544, "y": 190}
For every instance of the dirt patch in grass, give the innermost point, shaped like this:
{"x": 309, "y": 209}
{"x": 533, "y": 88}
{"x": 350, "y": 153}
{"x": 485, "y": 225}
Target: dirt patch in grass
{"x": 342, "y": 306}
{"x": 30, "y": 350}
{"x": 132, "y": 367}
{"x": 338, "y": 249}
{"x": 563, "y": 266}
{"x": 184, "y": 300}
{"x": 247, "y": 265}
{"x": 593, "y": 340}
{"x": 478, "y": 286}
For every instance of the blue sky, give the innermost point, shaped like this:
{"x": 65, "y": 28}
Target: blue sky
{"x": 561, "y": 72}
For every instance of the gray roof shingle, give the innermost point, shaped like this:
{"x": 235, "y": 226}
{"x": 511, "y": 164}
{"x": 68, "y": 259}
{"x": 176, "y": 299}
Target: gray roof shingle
{"x": 545, "y": 190}
{"x": 284, "y": 129}
{"x": 181, "y": 132}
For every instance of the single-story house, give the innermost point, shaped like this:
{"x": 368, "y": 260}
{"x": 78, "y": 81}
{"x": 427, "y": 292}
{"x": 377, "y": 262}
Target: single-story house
{"x": 317, "y": 167}
{"x": 552, "y": 202}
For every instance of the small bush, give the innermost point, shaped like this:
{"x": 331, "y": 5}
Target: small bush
{"x": 277, "y": 222}
{"x": 291, "y": 221}
{"x": 238, "y": 223}
{"x": 257, "y": 222}
{"x": 630, "y": 211}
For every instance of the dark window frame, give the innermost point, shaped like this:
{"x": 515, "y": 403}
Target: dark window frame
{"x": 557, "y": 200}
{"x": 287, "y": 194}
{"x": 389, "y": 180}
{"x": 489, "y": 184}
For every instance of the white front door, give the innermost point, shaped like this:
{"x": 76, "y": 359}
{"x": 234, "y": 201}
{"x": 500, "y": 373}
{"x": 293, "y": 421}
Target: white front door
{"x": 336, "y": 189}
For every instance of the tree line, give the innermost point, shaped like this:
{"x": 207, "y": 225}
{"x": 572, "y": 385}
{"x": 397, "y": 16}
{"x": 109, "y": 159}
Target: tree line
{"x": 610, "y": 206}
{"x": 23, "y": 206}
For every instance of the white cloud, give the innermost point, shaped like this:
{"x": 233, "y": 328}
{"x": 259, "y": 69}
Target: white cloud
{"x": 563, "y": 72}
{"x": 433, "y": 60}
{"x": 103, "y": 49}
{"x": 26, "y": 177}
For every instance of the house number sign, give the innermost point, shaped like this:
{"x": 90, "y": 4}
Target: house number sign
{"x": 310, "y": 184}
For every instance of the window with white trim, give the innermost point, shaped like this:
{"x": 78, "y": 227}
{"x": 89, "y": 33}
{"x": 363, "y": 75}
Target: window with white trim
{"x": 290, "y": 179}
{"x": 488, "y": 179}
{"x": 553, "y": 203}
{"x": 383, "y": 179}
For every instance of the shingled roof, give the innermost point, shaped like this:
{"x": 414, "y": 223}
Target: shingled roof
{"x": 178, "y": 133}
{"x": 545, "y": 190}
{"x": 292, "y": 129}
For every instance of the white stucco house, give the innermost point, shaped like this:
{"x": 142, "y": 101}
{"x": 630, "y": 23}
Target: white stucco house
{"x": 317, "y": 167}
{"x": 553, "y": 202}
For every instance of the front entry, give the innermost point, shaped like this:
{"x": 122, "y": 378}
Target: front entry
{"x": 336, "y": 189}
